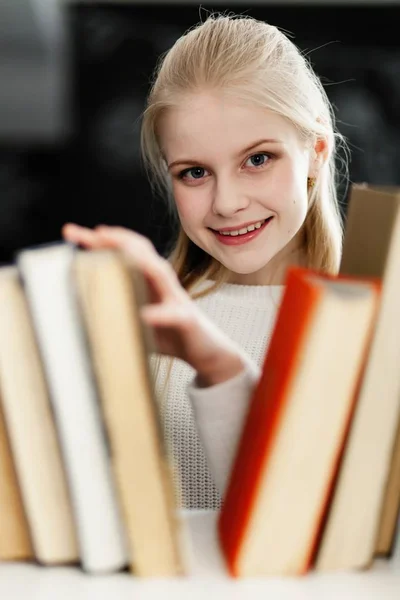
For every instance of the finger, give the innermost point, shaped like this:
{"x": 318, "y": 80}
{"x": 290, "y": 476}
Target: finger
{"x": 126, "y": 238}
{"x": 141, "y": 252}
{"x": 161, "y": 277}
{"x": 82, "y": 236}
{"x": 162, "y": 315}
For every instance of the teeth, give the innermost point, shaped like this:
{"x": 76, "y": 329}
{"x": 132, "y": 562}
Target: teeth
{"x": 244, "y": 229}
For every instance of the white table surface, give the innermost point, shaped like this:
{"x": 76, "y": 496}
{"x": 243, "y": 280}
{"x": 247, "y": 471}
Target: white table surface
{"x": 207, "y": 578}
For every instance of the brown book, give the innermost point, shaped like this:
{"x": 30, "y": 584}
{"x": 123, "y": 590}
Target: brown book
{"x": 296, "y": 425}
{"x": 31, "y": 429}
{"x": 371, "y": 249}
{"x": 111, "y": 295}
{"x": 15, "y": 543}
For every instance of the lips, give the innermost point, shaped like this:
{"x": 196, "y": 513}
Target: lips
{"x": 237, "y": 240}
{"x": 239, "y": 227}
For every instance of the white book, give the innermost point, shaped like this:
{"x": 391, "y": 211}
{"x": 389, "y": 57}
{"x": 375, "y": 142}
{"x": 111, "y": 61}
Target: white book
{"x": 47, "y": 275}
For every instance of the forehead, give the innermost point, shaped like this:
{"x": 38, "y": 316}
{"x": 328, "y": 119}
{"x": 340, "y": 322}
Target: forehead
{"x": 206, "y": 123}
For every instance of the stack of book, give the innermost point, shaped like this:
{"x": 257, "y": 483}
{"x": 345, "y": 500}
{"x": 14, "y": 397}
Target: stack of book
{"x": 85, "y": 477}
{"x": 84, "y": 473}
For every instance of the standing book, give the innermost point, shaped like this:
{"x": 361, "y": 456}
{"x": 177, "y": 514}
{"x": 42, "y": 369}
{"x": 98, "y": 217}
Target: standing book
{"x": 47, "y": 276}
{"x": 390, "y": 508}
{"x": 371, "y": 249}
{"x": 111, "y": 295}
{"x": 15, "y": 542}
{"x": 294, "y": 432}
{"x": 31, "y": 429}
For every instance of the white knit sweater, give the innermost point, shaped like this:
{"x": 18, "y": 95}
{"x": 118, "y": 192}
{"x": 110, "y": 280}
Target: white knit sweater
{"x": 247, "y": 315}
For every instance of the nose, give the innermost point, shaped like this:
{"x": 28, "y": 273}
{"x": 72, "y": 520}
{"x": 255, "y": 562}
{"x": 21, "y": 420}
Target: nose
{"x": 228, "y": 198}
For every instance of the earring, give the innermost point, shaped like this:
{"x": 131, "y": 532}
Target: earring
{"x": 310, "y": 182}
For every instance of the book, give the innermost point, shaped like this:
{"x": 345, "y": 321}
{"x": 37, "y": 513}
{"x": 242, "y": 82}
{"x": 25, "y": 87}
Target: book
{"x": 32, "y": 433}
{"x": 390, "y": 506}
{"x": 46, "y": 273}
{"x": 111, "y": 295}
{"x": 15, "y": 542}
{"x": 297, "y": 421}
{"x": 371, "y": 249}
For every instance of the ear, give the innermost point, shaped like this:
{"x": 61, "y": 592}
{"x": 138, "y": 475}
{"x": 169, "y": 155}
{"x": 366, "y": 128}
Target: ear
{"x": 319, "y": 155}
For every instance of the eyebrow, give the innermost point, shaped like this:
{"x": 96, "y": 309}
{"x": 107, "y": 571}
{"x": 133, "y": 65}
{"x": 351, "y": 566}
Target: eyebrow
{"x": 190, "y": 161}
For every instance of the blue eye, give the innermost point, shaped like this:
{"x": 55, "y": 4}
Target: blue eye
{"x": 193, "y": 173}
{"x": 258, "y": 160}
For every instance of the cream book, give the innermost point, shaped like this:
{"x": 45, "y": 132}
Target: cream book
{"x": 296, "y": 424}
{"x": 15, "y": 542}
{"x": 390, "y": 507}
{"x": 31, "y": 429}
{"x": 111, "y": 296}
{"x": 47, "y": 276}
{"x": 371, "y": 249}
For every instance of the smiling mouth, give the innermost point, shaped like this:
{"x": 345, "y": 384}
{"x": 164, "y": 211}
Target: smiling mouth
{"x": 243, "y": 231}
{"x": 242, "y": 236}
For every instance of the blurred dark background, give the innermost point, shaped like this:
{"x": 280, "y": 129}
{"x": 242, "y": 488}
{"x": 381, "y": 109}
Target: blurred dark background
{"x": 73, "y": 82}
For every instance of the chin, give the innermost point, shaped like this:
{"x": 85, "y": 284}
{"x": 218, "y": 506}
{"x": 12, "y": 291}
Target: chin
{"x": 245, "y": 269}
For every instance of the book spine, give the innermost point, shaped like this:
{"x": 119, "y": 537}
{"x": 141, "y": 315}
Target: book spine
{"x": 76, "y": 408}
{"x": 266, "y": 409}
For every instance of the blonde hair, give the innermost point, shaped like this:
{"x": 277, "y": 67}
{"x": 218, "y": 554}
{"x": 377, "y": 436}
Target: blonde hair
{"x": 256, "y": 62}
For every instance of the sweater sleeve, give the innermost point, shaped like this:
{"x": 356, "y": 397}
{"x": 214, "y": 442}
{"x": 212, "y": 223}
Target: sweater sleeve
{"x": 219, "y": 412}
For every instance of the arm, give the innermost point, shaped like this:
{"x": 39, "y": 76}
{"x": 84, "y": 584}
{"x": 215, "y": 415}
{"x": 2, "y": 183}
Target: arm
{"x": 225, "y": 376}
{"x": 220, "y": 411}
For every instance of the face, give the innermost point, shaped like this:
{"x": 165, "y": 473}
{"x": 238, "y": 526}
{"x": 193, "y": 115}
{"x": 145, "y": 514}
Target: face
{"x": 239, "y": 178}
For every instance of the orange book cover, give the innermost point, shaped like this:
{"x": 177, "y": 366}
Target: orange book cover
{"x": 267, "y": 406}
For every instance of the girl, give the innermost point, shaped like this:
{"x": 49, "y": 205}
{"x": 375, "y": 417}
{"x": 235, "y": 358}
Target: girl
{"x": 239, "y": 136}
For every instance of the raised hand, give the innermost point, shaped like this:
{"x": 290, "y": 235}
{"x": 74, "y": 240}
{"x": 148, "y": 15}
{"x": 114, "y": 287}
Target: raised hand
{"x": 180, "y": 328}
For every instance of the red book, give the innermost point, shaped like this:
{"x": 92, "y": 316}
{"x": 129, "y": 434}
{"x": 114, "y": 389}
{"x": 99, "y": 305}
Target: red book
{"x": 296, "y": 426}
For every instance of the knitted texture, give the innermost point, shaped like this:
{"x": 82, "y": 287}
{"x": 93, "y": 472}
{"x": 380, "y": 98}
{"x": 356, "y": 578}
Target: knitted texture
{"x": 247, "y": 315}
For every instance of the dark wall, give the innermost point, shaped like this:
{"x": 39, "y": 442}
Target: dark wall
{"x": 96, "y": 177}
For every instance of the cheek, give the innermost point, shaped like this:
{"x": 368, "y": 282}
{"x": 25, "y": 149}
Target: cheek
{"x": 291, "y": 190}
{"x": 191, "y": 204}
{"x": 296, "y": 209}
